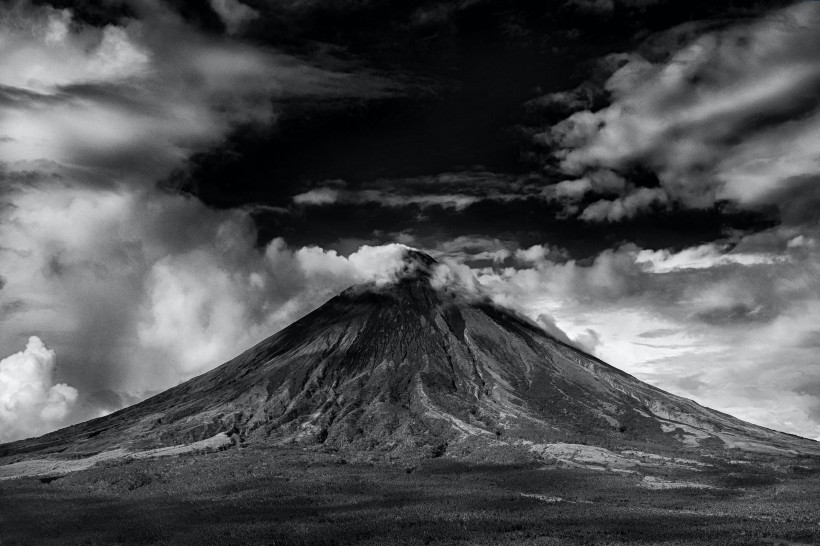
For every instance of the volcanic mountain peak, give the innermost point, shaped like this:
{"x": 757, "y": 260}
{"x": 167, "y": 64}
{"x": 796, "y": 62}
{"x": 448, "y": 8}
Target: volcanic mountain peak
{"x": 416, "y": 264}
{"x": 421, "y": 281}
{"x": 409, "y": 368}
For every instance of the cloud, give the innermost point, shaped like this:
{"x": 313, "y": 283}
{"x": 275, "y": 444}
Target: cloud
{"x": 317, "y": 196}
{"x": 731, "y": 314}
{"x": 234, "y": 14}
{"x": 535, "y": 253}
{"x": 549, "y": 325}
{"x": 30, "y": 402}
{"x": 135, "y": 100}
{"x": 659, "y": 332}
{"x": 473, "y": 248}
{"x": 589, "y": 340}
{"x": 135, "y": 288}
{"x": 455, "y": 191}
{"x": 625, "y": 207}
{"x": 730, "y": 324}
{"x": 331, "y": 196}
{"x": 703, "y": 257}
{"x": 608, "y": 7}
{"x": 539, "y": 253}
{"x": 139, "y": 290}
{"x": 733, "y": 115}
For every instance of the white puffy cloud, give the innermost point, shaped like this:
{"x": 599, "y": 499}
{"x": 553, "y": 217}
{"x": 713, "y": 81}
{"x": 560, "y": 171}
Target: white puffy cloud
{"x": 202, "y": 307}
{"x": 731, "y": 324}
{"x": 41, "y": 52}
{"x": 30, "y": 402}
{"x": 317, "y": 196}
{"x": 455, "y": 277}
{"x": 139, "y": 290}
{"x": 535, "y": 253}
{"x": 733, "y": 115}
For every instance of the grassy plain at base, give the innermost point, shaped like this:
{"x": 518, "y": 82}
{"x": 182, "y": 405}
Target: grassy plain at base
{"x": 283, "y": 496}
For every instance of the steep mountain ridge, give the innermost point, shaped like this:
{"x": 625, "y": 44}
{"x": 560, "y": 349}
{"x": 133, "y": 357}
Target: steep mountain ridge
{"x": 415, "y": 367}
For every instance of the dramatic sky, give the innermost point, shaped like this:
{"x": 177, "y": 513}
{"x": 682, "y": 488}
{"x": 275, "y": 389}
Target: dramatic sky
{"x": 180, "y": 179}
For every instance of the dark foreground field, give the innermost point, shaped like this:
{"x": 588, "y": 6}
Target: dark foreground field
{"x": 256, "y": 496}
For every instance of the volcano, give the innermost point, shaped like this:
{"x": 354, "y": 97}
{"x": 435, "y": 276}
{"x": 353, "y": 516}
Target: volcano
{"x": 415, "y": 367}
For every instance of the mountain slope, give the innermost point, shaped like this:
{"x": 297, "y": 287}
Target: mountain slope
{"x": 409, "y": 368}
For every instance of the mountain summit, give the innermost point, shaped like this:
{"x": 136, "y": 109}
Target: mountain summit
{"x": 411, "y": 367}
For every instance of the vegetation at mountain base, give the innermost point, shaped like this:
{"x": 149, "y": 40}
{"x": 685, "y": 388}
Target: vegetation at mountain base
{"x": 292, "y": 496}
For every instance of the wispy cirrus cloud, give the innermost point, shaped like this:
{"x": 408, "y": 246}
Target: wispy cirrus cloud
{"x": 457, "y": 191}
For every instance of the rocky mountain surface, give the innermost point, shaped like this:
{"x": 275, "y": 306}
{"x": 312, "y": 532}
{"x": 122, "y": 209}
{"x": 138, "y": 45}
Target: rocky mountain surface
{"x": 418, "y": 368}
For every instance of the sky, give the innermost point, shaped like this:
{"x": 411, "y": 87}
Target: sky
{"x": 179, "y": 180}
